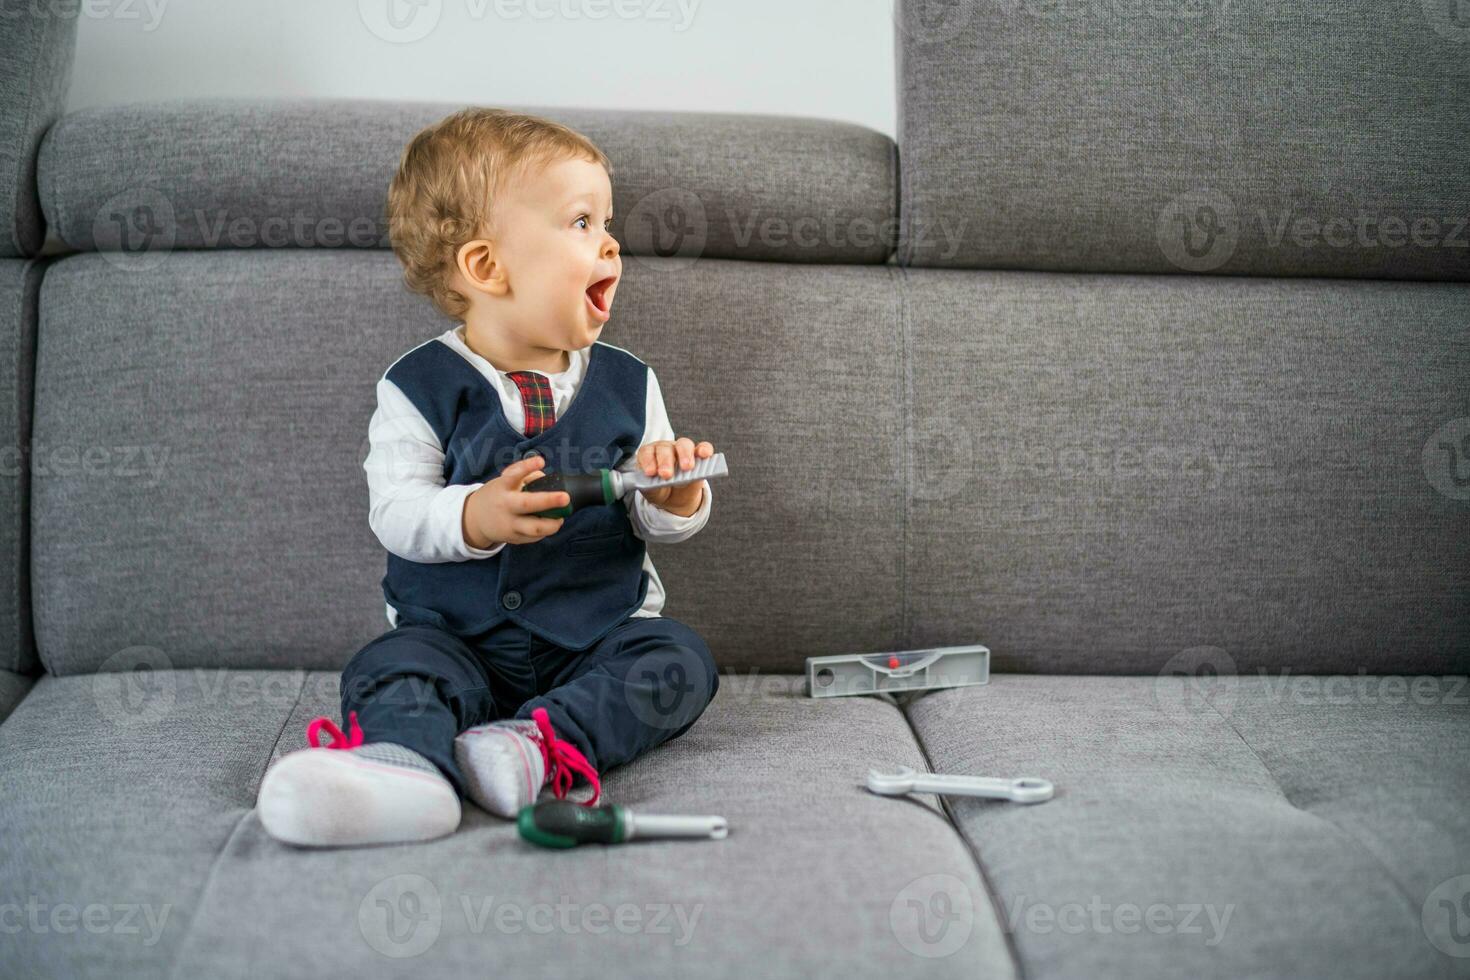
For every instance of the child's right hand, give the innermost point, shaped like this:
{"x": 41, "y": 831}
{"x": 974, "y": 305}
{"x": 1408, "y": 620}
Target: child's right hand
{"x": 500, "y": 512}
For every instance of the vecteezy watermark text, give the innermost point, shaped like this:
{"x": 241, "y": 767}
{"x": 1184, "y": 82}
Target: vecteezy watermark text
{"x": 402, "y": 916}
{"x": 98, "y": 918}
{"x": 1125, "y": 918}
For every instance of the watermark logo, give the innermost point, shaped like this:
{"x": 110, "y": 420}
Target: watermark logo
{"x": 144, "y": 920}
{"x": 401, "y": 916}
{"x": 1450, "y": 19}
{"x": 135, "y": 687}
{"x": 1199, "y": 680}
{"x": 1075, "y": 10}
{"x": 933, "y": 916}
{"x": 668, "y": 224}
{"x": 1446, "y": 917}
{"x": 135, "y": 229}
{"x": 400, "y": 21}
{"x": 927, "y": 21}
{"x": 678, "y": 13}
{"x": 1446, "y": 459}
{"x": 147, "y": 12}
{"x": 668, "y": 688}
{"x": 65, "y": 461}
{"x": 941, "y": 457}
{"x": 675, "y": 920}
{"x": 1104, "y": 461}
{"x": 1198, "y": 231}
{"x": 1125, "y": 918}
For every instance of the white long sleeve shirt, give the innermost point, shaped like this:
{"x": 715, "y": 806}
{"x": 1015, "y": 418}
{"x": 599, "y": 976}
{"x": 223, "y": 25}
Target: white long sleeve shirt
{"x": 418, "y": 518}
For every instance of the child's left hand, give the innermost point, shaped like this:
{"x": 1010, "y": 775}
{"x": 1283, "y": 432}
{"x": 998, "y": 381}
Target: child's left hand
{"x": 660, "y": 459}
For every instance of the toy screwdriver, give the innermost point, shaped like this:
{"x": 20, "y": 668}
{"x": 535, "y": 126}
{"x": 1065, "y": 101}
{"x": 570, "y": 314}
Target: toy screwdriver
{"x": 564, "y": 823}
{"x": 606, "y": 486}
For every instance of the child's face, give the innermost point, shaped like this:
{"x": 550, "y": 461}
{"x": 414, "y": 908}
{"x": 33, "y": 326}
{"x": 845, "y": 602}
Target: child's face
{"x": 560, "y": 262}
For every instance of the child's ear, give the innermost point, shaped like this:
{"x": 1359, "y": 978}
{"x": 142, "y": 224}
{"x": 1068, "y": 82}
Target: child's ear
{"x": 478, "y": 265}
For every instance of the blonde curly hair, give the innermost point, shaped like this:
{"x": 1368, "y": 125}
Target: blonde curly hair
{"x": 448, "y": 180}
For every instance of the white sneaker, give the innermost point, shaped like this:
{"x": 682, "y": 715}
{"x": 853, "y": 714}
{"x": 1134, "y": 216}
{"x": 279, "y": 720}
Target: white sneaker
{"x": 502, "y": 765}
{"x": 506, "y": 763}
{"x": 378, "y": 793}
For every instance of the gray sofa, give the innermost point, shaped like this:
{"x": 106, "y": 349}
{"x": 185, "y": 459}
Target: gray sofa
{"x": 1099, "y": 366}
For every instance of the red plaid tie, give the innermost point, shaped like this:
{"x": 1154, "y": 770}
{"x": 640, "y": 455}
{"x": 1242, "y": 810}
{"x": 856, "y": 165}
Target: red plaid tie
{"x": 536, "y": 400}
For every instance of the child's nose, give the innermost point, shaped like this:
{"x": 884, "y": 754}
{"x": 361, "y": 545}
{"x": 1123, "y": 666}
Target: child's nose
{"x": 609, "y": 247}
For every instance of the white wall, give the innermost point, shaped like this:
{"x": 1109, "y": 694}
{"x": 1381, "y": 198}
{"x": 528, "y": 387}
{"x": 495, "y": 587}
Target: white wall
{"x": 826, "y": 58}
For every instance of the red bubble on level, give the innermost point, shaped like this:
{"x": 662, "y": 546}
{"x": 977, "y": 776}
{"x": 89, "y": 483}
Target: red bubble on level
{"x": 892, "y": 663}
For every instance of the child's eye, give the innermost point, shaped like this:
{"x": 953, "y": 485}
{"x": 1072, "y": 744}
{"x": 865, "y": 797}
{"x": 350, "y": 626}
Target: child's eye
{"x": 581, "y": 222}
{"x": 607, "y": 225}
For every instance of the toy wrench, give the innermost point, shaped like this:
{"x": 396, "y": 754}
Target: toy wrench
{"x": 906, "y": 780}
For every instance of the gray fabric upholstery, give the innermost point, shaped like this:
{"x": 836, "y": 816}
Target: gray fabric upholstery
{"x": 1179, "y": 476}
{"x": 225, "y": 523}
{"x": 20, "y": 282}
{"x": 13, "y": 687}
{"x": 816, "y": 877}
{"x": 36, "y": 47}
{"x": 1318, "y": 824}
{"x": 1113, "y": 470}
{"x": 315, "y": 173}
{"x": 118, "y": 790}
{"x": 1093, "y": 136}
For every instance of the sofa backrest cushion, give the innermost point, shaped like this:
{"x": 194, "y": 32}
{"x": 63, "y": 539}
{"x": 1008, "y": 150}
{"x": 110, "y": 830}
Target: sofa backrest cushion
{"x": 1131, "y": 474}
{"x": 314, "y": 173}
{"x": 37, "y": 42}
{"x": 1273, "y": 138}
{"x": 214, "y": 509}
{"x": 1088, "y": 473}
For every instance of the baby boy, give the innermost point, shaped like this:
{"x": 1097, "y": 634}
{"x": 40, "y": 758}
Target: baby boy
{"x": 525, "y": 651}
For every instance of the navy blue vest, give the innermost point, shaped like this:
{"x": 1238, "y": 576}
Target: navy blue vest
{"x": 571, "y": 587}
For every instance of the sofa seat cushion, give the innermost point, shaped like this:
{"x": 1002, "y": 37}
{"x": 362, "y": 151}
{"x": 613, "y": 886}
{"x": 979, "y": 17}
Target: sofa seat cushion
{"x": 1282, "y": 826}
{"x": 131, "y": 795}
{"x": 13, "y": 689}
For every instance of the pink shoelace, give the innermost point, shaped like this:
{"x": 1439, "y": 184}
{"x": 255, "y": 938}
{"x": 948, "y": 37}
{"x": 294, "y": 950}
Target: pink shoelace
{"x": 563, "y": 760}
{"x": 339, "y": 741}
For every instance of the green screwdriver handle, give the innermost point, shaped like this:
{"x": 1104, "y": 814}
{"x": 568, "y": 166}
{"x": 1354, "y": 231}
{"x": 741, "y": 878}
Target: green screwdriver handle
{"x": 562, "y": 823}
{"x": 585, "y": 489}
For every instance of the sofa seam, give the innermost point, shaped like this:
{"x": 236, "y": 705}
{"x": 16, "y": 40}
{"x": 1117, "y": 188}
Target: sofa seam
{"x": 286, "y": 720}
{"x": 896, "y": 186}
{"x": 996, "y": 905}
{"x": 1398, "y": 886}
{"x": 24, "y": 377}
{"x": 234, "y": 832}
{"x": 48, "y": 196}
{"x": 905, "y": 451}
{"x": 24, "y": 182}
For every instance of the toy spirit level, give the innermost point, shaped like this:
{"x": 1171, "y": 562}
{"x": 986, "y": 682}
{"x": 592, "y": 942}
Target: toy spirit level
{"x": 906, "y": 670}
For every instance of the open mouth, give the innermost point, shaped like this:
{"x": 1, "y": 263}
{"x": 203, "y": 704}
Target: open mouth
{"x": 599, "y": 295}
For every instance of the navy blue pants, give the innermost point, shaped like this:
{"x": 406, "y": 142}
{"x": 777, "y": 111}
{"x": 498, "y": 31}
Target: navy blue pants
{"x": 642, "y": 684}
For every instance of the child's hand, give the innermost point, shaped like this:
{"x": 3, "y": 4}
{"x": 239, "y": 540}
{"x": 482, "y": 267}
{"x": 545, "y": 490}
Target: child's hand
{"x": 660, "y": 458}
{"x": 499, "y": 511}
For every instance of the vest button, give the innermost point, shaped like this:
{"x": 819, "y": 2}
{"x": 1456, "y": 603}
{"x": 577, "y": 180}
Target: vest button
{"x": 511, "y": 599}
